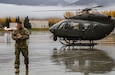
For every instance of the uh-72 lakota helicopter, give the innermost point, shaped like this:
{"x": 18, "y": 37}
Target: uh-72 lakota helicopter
{"x": 86, "y": 26}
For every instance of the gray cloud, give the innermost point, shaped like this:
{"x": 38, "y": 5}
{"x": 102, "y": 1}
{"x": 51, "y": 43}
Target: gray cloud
{"x": 96, "y": 2}
{"x": 34, "y": 2}
{"x": 23, "y": 10}
{"x": 58, "y": 2}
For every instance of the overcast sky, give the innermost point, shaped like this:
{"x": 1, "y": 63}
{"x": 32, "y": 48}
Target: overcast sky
{"x": 13, "y": 10}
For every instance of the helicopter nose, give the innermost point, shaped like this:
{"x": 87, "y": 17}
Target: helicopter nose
{"x": 52, "y": 30}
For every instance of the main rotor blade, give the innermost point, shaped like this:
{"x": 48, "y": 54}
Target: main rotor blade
{"x": 97, "y": 6}
{"x": 66, "y": 9}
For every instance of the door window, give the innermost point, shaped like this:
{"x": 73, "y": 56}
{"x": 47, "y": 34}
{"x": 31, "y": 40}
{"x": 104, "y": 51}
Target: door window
{"x": 75, "y": 26}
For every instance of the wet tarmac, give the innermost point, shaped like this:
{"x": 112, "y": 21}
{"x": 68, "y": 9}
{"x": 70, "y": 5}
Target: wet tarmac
{"x": 50, "y": 58}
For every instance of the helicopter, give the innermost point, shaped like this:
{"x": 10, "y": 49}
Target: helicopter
{"x": 85, "y": 26}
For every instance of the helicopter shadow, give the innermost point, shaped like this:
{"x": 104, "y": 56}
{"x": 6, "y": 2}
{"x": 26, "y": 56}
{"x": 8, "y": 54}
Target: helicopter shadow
{"x": 83, "y": 60}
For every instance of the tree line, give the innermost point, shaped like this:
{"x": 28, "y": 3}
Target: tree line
{"x": 5, "y": 22}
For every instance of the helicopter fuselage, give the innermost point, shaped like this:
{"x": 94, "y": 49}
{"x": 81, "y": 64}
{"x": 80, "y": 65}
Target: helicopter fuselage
{"x": 84, "y": 27}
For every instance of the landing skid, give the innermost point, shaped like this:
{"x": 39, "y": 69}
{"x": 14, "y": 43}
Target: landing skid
{"x": 75, "y": 43}
{"x": 81, "y": 44}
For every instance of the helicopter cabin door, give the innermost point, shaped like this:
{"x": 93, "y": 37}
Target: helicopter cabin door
{"x": 75, "y": 30}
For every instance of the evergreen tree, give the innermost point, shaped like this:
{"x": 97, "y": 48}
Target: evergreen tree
{"x": 7, "y": 23}
{"x": 17, "y": 19}
{"x": 27, "y": 24}
{"x": 10, "y": 20}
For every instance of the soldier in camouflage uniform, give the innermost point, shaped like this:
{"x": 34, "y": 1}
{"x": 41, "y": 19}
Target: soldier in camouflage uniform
{"x": 20, "y": 35}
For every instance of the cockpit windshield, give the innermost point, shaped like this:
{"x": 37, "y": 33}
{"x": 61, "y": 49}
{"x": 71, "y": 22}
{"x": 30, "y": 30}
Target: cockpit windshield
{"x": 55, "y": 26}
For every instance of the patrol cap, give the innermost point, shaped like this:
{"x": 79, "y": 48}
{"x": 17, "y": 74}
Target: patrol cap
{"x": 19, "y": 22}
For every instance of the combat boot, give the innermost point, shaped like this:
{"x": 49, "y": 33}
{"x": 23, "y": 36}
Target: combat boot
{"x": 26, "y": 66}
{"x": 27, "y": 70}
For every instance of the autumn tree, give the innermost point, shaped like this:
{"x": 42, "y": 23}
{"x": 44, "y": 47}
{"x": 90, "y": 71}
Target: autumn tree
{"x": 52, "y": 21}
{"x": 13, "y": 20}
{"x": 68, "y": 14}
{"x": 109, "y": 13}
{"x": 2, "y": 21}
{"x": 112, "y": 13}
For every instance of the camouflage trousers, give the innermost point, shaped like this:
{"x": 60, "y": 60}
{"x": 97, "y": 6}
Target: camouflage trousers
{"x": 24, "y": 52}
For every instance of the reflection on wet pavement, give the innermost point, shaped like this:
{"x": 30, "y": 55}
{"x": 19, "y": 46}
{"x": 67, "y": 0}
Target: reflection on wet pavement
{"x": 17, "y": 73}
{"x": 26, "y": 72}
{"x": 48, "y": 58}
{"x": 83, "y": 60}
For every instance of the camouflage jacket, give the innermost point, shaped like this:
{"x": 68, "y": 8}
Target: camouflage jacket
{"x": 25, "y": 35}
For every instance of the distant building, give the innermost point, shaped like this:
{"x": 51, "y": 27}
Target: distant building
{"x": 34, "y": 24}
{"x": 39, "y": 24}
{"x": 12, "y": 25}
